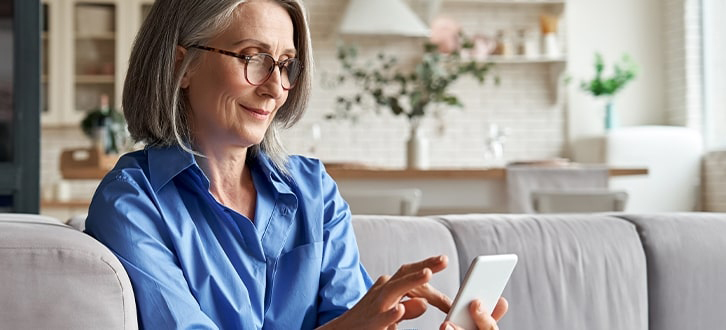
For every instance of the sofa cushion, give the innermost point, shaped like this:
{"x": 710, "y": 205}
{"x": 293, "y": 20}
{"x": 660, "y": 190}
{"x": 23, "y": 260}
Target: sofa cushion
{"x": 387, "y": 242}
{"x": 59, "y": 278}
{"x": 686, "y": 268}
{"x": 574, "y": 271}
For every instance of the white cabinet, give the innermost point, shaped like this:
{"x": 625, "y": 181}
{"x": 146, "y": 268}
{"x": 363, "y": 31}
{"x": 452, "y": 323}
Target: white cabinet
{"x": 86, "y": 45}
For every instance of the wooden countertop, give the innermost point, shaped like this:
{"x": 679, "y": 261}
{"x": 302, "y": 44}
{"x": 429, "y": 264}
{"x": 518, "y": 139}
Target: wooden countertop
{"x": 365, "y": 172}
{"x": 495, "y": 173}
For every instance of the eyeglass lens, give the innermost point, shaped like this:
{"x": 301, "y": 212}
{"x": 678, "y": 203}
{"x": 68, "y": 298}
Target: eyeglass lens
{"x": 260, "y": 67}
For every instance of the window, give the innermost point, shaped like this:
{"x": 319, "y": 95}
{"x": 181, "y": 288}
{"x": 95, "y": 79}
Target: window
{"x": 714, "y": 72}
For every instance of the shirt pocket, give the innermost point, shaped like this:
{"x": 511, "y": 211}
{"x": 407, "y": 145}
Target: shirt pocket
{"x": 308, "y": 251}
{"x": 297, "y": 279}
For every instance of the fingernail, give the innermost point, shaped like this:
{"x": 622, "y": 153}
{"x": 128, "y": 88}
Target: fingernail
{"x": 479, "y": 307}
{"x": 449, "y": 327}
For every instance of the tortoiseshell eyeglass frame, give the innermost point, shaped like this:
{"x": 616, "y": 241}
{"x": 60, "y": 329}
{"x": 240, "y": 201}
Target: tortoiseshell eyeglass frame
{"x": 247, "y": 58}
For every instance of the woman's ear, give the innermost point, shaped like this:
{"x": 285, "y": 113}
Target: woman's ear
{"x": 181, "y": 52}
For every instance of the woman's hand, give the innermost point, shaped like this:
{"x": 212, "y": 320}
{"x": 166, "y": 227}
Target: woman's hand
{"x": 482, "y": 317}
{"x": 382, "y": 308}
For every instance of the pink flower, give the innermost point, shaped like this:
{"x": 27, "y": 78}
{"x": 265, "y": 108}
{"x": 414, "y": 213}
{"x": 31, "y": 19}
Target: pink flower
{"x": 445, "y": 34}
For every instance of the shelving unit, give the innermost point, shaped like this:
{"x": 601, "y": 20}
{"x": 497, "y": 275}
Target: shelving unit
{"x": 86, "y": 44}
{"x": 555, "y": 64}
{"x": 519, "y": 59}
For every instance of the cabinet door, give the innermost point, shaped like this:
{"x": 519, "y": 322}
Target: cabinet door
{"x": 94, "y": 57}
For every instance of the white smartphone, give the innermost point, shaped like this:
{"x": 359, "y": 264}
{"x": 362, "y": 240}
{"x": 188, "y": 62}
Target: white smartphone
{"x": 485, "y": 280}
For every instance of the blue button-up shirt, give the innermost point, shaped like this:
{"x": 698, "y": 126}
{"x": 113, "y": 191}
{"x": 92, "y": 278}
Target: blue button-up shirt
{"x": 195, "y": 263}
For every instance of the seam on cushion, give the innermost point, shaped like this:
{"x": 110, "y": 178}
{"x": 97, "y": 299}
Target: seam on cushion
{"x": 458, "y": 243}
{"x": 38, "y": 223}
{"x": 123, "y": 297}
{"x": 94, "y": 256}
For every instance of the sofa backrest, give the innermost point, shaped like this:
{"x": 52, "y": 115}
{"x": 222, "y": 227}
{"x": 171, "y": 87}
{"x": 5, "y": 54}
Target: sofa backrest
{"x": 686, "y": 255}
{"x": 387, "y": 242}
{"x": 574, "y": 271}
{"x": 55, "y": 277}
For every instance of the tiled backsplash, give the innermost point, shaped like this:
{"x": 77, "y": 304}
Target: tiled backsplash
{"x": 53, "y": 141}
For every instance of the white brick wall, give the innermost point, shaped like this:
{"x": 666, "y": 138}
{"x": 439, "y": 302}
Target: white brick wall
{"x": 522, "y": 102}
{"x": 53, "y": 141}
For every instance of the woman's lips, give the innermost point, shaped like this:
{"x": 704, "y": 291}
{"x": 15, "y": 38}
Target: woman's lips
{"x": 257, "y": 113}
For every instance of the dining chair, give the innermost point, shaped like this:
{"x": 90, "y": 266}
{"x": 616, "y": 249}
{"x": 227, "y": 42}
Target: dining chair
{"x": 384, "y": 201}
{"x": 579, "y": 201}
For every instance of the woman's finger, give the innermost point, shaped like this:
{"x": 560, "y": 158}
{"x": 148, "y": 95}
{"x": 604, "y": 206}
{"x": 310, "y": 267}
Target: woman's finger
{"x": 481, "y": 316}
{"x": 500, "y": 309}
{"x": 449, "y": 326}
{"x": 397, "y": 288}
{"x": 433, "y": 296}
{"x": 414, "y": 308}
{"x": 435, "y": 264}
{"x": 388, "y": 317}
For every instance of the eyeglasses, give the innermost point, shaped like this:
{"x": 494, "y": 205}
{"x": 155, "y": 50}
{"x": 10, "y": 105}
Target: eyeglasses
{"x": 259, "y": 67}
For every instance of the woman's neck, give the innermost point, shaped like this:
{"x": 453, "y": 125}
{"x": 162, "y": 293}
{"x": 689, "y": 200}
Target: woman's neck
{"x": 230, "y": 177}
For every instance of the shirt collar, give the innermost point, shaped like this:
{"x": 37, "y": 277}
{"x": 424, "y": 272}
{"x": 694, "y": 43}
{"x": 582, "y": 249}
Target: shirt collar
{"x": 167, "y": 162}
{"x": 265, "y": 165}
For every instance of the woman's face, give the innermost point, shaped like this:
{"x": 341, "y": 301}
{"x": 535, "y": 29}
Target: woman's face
{"x": 226, "y": 108}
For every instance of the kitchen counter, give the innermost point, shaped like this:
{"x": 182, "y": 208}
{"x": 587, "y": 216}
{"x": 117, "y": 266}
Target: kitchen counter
{"x": 494, "y": 173}
{"x": 445, "y": 190}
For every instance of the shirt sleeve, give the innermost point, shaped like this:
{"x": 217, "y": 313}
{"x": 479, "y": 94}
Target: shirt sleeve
{"x": 124, "y": 217}
{"x": 343, "y": 280}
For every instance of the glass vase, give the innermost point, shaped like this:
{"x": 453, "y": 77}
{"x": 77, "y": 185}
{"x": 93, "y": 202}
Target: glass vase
{"x": 610, "y": 116}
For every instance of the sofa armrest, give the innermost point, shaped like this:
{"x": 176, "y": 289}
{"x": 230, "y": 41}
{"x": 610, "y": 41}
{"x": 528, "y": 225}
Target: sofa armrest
{"x": 55, "y": 277}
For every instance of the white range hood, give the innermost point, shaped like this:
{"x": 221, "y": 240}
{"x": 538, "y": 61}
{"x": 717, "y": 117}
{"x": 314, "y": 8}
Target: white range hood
{"x": 382, "y": 17}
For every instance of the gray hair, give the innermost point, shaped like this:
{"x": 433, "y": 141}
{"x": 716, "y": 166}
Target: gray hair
{"x": 153, "y": 103}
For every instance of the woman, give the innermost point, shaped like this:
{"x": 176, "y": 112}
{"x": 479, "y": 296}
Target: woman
{"x": 215, "y": 225}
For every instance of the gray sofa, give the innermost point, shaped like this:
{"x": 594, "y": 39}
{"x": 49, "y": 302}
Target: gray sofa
{"x": 597, "y": 271}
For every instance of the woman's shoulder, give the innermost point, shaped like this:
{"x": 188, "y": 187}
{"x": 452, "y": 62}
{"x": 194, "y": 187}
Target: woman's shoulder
{"x": 132, "y": 167}
{"x": 305, "y": 167}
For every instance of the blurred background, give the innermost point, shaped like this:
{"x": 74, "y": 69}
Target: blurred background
{"x": 536, "y": 105}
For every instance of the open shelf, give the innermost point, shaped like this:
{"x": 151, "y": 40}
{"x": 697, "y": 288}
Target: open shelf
{"x": 95, "y": 79}
{"x": 518, "y": 59}
{"x": 96, "y": 36}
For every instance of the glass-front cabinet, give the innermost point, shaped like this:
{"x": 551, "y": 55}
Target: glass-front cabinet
{"x": 86, "y": 44}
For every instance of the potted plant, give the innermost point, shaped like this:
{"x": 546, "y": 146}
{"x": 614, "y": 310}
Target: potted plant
{"x": 606, "y": 87}
{"x": 105, "y": 127}
{"x": 413, "y": 93}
